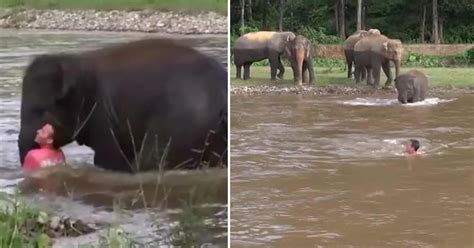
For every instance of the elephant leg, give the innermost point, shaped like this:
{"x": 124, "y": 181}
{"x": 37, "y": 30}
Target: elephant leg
{"x": 309, "y": 65}
{"x": 304, "y": 72}
{"x": 370, "y": 77}
{"x": 357, "y": 73}
{"x": 281, "y": 68}
{"x": 238, "y": 69}
{"x": 376, "y": 75}
{"x": 363, "y": 74}
{"x": 274, "y": 65}
{"x": 388, "y": 73}
{"x": 247, "y": 71}
{"x": 349, "y": 69}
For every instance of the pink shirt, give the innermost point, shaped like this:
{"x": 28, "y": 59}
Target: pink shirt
{"x": 39, "y": 158}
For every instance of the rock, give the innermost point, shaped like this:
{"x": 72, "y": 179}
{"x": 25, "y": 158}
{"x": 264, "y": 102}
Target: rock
{"x": 54, "y": 222}
{"x": 115, "y": 20}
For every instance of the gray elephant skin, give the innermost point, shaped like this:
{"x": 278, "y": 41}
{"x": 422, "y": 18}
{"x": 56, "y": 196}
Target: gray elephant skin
{"x": 300, "y": 54}
{"x": 411, "y": 86}
{"x": 348, "y": 47}
{"x": 373, "y": 52}
{"x": 256, "y": 46}
{"x": 139, "y": 105}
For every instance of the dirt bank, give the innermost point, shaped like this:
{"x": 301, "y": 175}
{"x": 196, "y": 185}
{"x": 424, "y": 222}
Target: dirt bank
{"x": 115, "y": 20}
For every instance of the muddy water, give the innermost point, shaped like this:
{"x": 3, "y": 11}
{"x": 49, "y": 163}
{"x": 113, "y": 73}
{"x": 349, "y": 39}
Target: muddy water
{"x": 84, "y": 192}
{"x": 330, "y": 171}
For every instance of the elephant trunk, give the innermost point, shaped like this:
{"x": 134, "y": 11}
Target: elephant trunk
{"x": 26, "y": 139}
{"x": 397, "y": 67}
{"x": 300, "y": 56}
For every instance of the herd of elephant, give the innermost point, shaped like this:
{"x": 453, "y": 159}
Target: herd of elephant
{"x": 368, "y": 51}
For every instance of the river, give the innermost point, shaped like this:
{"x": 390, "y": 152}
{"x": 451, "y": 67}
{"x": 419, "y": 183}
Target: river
{"x": 311, "y": 171}
{"x": 133, "y": 203}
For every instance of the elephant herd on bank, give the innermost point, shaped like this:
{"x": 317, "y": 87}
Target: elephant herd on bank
{"x": 367, "y": 51}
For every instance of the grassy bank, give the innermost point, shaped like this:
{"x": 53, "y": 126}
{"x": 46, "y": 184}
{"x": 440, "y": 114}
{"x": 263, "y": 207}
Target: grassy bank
{"x": 219, "y": 6}
{"x": 438, "y": 77}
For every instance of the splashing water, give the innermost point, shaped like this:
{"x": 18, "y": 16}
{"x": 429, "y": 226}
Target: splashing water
{"x": 387, "y": 102}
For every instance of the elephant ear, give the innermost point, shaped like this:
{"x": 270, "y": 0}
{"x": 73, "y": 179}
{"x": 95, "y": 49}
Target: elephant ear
{"x": 290, "y": 37}
{"x": 49, "y": 78}
{"x": 385, "y": 46}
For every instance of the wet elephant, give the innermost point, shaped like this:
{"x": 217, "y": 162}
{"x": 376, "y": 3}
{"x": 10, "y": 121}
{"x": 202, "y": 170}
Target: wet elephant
{"x": 411, "y": 86}
{"x": 256, "y": 46}
{"x": 373, "y": 52}
{"x": 139, "y": 105}
{"x": 349, "y": 49}
{"x": 300, "y": 53}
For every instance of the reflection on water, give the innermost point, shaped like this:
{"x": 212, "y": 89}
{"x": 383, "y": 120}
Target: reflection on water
{"x": 310, "y": 171}
{"x": 85, "y": 192}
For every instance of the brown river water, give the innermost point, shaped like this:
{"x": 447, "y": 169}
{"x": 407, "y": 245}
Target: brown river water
{"x": 147, "y": 206}
{"x": 311, "y": 171}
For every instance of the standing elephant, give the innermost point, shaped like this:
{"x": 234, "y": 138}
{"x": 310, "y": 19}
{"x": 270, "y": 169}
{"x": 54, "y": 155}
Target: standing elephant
{"x": 299, "y": 52}
{"x": 139, "y": 105}
{"x": 411, "y": 86}
{"x": 375, "y": 51}
{"x": 349, "y": 49}
{"x": 256, "y": 46}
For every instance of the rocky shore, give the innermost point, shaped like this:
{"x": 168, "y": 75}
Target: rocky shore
{"x": 115, "y": 20}
{"x": 333, "y": 90}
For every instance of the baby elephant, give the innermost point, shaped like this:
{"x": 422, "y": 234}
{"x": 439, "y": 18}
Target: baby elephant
{"x": 411, "y": 86}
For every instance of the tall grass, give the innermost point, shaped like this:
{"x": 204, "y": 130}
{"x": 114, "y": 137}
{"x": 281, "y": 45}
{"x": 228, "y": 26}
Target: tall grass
{"x": 20, "y": 225}
{"x": 219, "y": 6}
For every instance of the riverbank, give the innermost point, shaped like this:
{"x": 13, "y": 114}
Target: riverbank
{"x": 149, "y": 20}
{"x": 334, "y": 82}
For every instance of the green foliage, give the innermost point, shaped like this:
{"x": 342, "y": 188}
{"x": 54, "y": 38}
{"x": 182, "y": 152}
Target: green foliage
{"x": 395, "y": 18}
{"x": 188, "y": 5}
{"x": 466, "y": 58}
{"x": 331, "y": 64}
{"x": 415, "y": 59}
{"x": 319, "y": 36}
{"x": 18, "y": 225}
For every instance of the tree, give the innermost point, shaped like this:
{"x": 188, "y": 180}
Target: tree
{"x": 249, "y": 10}
{"x": 282, "y": 11}
{"x": 422, "y": 25}
{"x": 435, "y": 30}
{"x": 242, "y": 16}
{"x": 340, "y": 19}
{"x": 359, "y": 15}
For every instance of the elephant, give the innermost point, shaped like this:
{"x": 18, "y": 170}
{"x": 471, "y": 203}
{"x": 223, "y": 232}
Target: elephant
{"x": 349, "y": 49}
{"x": 299, "y": 52}
{"x": 375, "y": 51}
{"x": 138, "y": 105}
{"x": 256, "y": 46}
{"x": 411, "y": 86}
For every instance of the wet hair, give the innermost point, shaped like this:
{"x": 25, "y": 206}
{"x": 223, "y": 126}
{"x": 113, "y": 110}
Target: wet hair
{"x": 415, "y": 144}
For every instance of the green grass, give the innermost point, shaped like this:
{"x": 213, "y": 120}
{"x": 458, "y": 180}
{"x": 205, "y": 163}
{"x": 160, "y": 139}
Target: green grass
{"x": 219, "y": 6}
{"x": 21, "y": 225}
{"x": 438, "y": 77}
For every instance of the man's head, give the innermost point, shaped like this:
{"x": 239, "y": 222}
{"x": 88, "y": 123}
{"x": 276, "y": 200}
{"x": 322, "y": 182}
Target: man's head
{"x": 44, "y": 136}
{"x": 412, "y": 146}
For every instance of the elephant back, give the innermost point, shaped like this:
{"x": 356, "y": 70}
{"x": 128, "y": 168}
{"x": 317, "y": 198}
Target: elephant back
{"x": 371, "y": 42}
{"x": 350, "y": 42}
{"x": 254, "y": 40}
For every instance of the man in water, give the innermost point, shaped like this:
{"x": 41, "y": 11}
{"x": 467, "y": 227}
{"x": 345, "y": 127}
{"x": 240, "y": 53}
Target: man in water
{"x": 46, "y": 155}
{"x": 412, "y": 146}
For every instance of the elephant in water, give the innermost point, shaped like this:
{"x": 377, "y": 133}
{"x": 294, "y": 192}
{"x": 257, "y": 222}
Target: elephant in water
{"x": 256, "y": 46}
{"x": 141, "y": 105}
{"x": 349, "y": 49}
{"x": 300, "y": 53}
{"x": 411, "y": 86}
{"x": 375, "y": 51}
